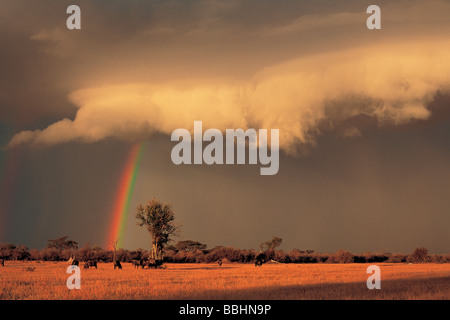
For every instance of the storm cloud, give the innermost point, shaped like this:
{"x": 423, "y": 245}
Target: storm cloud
{"x": 396, "y": 87}
{"x": 129, "y": 95}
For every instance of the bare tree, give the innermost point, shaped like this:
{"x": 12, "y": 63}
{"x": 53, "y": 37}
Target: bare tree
{"x": 114, "y": 246}
{"x": 115, "y": 261}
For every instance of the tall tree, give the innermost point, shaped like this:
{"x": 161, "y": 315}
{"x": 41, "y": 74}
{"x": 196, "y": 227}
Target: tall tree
{"x": 158, "y": 218}
{"x": 272, "y": 244}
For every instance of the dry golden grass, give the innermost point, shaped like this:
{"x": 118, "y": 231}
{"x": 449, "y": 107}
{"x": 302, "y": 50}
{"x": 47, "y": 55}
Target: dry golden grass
{"x": 231, "y": 281}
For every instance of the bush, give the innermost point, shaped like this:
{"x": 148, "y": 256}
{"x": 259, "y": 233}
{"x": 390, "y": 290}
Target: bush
{"x": 371, "y": 257}
{"x": 440, "y": 258}
{"x": 397, "y": 258}
{"x": 50, "y": 254}
{"x": 341, "y": 256}
{"x": 420, "y": 255}
{"x": 308, "y": 256}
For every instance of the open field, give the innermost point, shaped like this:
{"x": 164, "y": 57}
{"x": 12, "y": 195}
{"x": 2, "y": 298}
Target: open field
{"x": 231, "y": 281}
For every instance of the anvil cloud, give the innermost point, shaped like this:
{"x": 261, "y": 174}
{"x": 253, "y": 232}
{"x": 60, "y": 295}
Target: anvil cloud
{"x": 295, "y": 97}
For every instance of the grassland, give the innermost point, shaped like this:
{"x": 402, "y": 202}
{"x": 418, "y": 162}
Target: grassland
{"x": 231, "y": 281}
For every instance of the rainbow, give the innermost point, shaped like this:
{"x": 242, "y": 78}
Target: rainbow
{"x": 9, "y": 171}
{"x": 124, "y": 194}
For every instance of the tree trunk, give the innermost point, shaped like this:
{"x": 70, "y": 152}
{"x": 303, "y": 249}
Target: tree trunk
{"x": 157, "y": 252}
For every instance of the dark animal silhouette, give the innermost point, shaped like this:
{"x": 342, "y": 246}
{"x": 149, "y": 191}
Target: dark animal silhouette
{"x": 261, "y": 256}
{"x": 2, "y": 262}
{"x": 117, "y": 264}
{"x": 153, "y": 263}
{"x": 219, "y": 262}
{"x": 90, "y": 263}
{"x": 157, "y": 264}
{"x": 260, "y": 259}
{"x": 138, "y": 263}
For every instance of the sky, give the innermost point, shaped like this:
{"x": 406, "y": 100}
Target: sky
{"x": 363, "y": 117}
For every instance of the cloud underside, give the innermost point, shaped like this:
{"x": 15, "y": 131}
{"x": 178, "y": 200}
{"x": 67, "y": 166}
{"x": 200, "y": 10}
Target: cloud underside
{"x": 391, "y": 83}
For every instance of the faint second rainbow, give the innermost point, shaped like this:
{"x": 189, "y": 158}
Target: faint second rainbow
{"x": 9, "y": 167}
{"x": 124, "y": 194}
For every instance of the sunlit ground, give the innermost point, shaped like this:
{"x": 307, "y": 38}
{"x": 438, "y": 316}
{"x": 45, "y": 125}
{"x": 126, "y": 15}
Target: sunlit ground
{"x": 47, "y": 280}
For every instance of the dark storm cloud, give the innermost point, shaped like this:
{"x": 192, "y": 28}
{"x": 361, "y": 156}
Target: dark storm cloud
{"x": 230, "y": 58}
{"x": 135, "y": 41}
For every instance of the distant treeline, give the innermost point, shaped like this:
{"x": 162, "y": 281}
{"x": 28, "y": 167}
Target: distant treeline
{"x": 195, "y": 252}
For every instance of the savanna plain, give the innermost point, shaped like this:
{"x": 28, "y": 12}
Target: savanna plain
{"x": 47, "y": 280}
